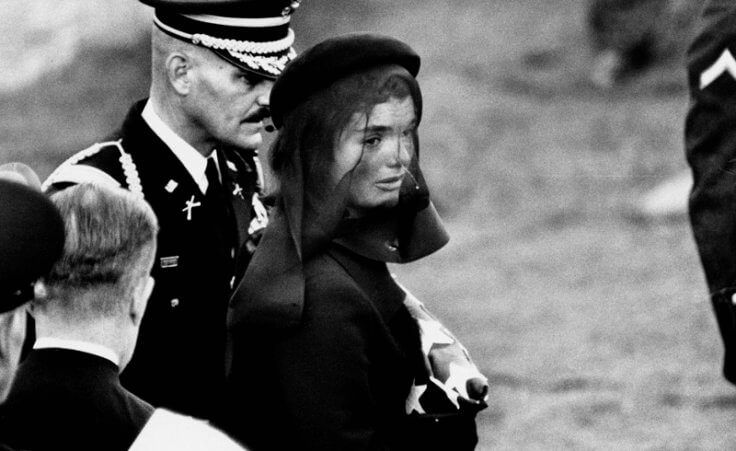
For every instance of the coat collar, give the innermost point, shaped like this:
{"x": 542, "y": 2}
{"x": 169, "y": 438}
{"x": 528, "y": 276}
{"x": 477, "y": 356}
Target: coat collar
{"x": 373, "y": 277}
{"x": 193, "y": 161}
{"x": 162, "y": 174}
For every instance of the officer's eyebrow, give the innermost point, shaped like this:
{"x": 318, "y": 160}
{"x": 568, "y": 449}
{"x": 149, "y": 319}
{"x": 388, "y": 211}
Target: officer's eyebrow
{"x": 251, "y": 78}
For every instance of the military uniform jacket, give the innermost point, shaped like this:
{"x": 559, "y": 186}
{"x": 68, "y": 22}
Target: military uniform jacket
{"x": 710, "y": 140}
{"x": 178, "y": 362}
{"x": 64, "y": 399}
{"x": 338, "y": 380}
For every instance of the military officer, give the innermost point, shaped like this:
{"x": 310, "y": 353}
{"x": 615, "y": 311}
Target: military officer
{"x": 189, "y": 150}
{"x": 710, "y": 141}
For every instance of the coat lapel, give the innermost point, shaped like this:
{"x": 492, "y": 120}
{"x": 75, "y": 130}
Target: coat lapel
{"x": 238, "y": 195}
{"x": 373, "y": 278}
{"x": 166, "y": 182}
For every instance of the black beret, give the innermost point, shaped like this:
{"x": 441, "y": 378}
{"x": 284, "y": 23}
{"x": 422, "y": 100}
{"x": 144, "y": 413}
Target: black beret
{"x": 31, "y": 239}
{"x": 332, "y": 59}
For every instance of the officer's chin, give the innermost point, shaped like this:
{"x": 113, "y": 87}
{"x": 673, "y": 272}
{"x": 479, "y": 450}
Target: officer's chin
{"x": 252, "y": 141}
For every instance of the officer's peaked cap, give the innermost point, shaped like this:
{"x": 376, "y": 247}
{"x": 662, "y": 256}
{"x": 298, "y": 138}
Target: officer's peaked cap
{"x": 254, "y": 35}
{"x": 332, "y": 59}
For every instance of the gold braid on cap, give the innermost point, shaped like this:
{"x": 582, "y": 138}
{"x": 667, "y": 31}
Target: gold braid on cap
{"x": 271, "y": 64}
{"x": 254, "y": 54}
{"x": 233, "y": 45}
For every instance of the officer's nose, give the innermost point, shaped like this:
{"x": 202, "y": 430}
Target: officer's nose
{"x": 264, "y": 93}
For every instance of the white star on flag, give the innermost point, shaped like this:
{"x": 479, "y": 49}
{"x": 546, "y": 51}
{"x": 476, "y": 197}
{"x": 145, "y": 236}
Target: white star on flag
{"x": 433, "y": 333}
{"x": 452, "y": 395}
{"x": 412, "y": 402}
{"x": 459, "y": 377}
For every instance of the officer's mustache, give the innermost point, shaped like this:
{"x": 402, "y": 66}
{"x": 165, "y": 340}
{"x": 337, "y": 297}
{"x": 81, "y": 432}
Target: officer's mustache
{"x": 258, "y": 115}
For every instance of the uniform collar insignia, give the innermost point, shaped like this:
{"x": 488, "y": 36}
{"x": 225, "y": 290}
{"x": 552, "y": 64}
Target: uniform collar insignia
{"x": 171, "y": 186}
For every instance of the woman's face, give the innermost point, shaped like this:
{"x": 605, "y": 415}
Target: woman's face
{"x": 378, "y": 148}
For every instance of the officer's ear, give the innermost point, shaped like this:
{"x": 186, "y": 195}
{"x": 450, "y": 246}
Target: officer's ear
{"x": 141, "y": 293}
{"x": 179, "y": 72}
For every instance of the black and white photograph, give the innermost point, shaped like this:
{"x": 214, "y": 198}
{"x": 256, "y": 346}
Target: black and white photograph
{"x": 367, "y": 225}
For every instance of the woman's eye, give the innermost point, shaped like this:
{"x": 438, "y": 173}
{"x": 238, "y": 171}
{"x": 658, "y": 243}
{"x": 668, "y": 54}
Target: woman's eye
{"x": 372, "y": 141}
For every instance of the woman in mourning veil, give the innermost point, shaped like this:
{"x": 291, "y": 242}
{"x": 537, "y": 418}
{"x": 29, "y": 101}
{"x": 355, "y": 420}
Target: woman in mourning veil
{"x": 324, "y": 351}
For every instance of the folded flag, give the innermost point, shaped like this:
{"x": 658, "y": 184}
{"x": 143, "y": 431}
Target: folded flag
{"x": 454, "y": 383}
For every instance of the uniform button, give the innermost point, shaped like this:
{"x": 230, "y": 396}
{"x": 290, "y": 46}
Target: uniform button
{"x": 232, "y": 282}
{"x": 174, "y": 303}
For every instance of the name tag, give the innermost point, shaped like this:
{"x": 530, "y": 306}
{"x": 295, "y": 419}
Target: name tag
{"x": 170, "y": 262}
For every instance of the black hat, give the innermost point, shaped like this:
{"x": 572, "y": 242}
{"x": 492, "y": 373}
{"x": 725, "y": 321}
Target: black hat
{"x": 254, "y": 35}
{"x": 273, "y": 288}
{"x": 31, "y": 239}
{"x": 333, "y": 59}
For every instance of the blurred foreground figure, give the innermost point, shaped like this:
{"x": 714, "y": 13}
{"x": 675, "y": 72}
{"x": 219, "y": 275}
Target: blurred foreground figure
{"x": 31, "y": 239}
{"x": 667, "y": 200}
{"x": 710, "y": 141}
{"x": 190, "y": 151}
{"x": 631, "y": 35}
{"x": 89, "y": 307}
{"x": 67, "y": 394}
{"x": 328, "y": 351}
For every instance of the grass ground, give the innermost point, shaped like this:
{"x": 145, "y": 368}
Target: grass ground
{"x": 593, "y": 327}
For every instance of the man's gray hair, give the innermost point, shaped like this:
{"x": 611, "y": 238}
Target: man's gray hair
{"x": 110, "y": 241}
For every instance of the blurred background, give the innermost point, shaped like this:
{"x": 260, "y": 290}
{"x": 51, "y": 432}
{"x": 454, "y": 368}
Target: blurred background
{"x": 548, "y": 127}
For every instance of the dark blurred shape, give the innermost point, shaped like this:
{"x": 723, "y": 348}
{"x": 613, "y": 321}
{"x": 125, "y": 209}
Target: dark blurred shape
{"x": 629, "y": 36}
{"x": 710, "y": 146}
{"x": 31, "y": 239}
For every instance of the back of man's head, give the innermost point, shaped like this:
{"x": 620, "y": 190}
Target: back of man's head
{"x": 108, "y": 255}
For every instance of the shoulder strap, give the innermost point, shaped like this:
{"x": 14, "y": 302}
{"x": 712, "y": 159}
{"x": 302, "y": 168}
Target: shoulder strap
{"x": 74, "y": 172}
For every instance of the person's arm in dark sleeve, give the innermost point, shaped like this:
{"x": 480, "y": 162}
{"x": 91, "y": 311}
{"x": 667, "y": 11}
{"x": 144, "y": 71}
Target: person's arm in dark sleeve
{"x": 710, "y": 141}
{"x": 324, "y": 371}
